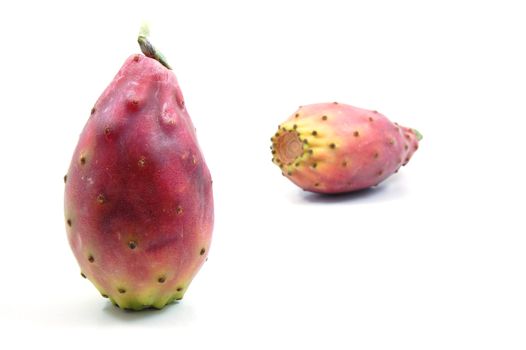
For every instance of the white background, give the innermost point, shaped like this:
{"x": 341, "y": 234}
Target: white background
{"x": 434, "y": 258}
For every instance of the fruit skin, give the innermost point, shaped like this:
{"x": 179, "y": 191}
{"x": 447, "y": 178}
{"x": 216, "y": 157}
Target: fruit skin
{"x": 138, "y": 196}
{"x": 338, "y": 148}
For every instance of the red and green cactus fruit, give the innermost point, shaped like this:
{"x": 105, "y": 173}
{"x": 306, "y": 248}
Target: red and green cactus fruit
{"x": 138, "y": 196}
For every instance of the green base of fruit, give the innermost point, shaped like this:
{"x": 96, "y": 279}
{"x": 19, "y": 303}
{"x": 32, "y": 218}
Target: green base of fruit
{"x": 134, "y": 305}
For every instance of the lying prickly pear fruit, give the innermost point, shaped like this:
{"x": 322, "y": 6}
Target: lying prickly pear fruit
{"x": 337, "y": 148}
{"x": 138, "y": 197}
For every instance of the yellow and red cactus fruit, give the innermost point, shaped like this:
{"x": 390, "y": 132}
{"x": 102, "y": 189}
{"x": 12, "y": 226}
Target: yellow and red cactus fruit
{"x": 338, "y": 148}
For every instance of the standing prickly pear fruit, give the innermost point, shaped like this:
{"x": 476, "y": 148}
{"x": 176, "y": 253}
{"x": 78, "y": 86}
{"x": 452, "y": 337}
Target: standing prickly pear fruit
{"x": 138, "y": 197}
{"x": 337, "y": 148}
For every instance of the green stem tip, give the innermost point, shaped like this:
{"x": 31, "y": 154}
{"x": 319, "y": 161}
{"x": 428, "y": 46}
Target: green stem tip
{"x": 418, "y": 134}
{"x": 148, "y": 49}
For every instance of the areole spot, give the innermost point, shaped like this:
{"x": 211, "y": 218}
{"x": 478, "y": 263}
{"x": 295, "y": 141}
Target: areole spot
{"x": 93, "y": 110}
{"x": 65, "y": 178}
{"x": 82, "y": 160}
{"x": 297, "y": 115}
{"x": 371, "y": 119}
{"x": 141, "y": 162}
{"x": 107, "y": 131}
{"x": 136, "y": 58}
{"x": 168, "y": 119}
{"x": 406, "y": 146}
{"x": 179, "y": 210}
{"x": 83, "y": 275}
{"x": 310, "y": 151}
{"x": 344, "y": 163}
{"x": 324, "y": 117}
{"x": 356, "y": 133}
{"x": 317, "y": 184}
{"x": 132, "y": 244}
{"x": 314, "y": 133}
{"x": 121, "y": 290}
{"x": 391, "y": 142}
{"x": 289, "y": 173}
{"x": 332, "y": 145}
{"x": 179, "y": 289}
{"x": 294, "y": 126}
{"x": 297, "y": 164}
{"x": 202, "y": 252}
{"x": 380, "y": 172}
{"x": 314, "y": 165}
{"x": 104, "y": 295}
{"x": 161, "y": 279}
{"x": 91, "y": 259}
{"x": 101, "y": 199}
{"x": 69, "y": 222}
{"x": 376, "y": 154}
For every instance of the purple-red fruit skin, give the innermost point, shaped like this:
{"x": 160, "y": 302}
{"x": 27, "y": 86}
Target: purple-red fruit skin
{"x": 138, "y": 199}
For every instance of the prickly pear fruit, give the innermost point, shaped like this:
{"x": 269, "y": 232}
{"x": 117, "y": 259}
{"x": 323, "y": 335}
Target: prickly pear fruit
{"x": 337, "y": 148}
{"x": 138, "y": 197}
